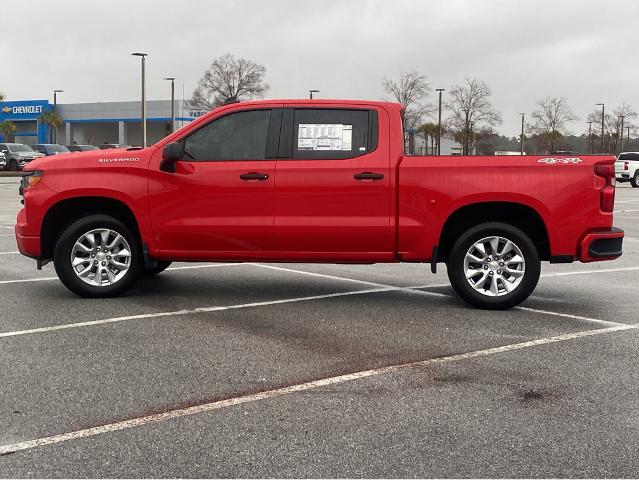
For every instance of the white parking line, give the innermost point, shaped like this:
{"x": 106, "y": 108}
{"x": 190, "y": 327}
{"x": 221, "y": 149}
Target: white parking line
{"x": 419, "y": 291}
{"x": 625, "y": 211}
{"x": 28, "y": 280}
{"x": 278, "y": 392}
{"x": 193, "y": 311}
{"x": 9, "y": 253}
{"x": 570, "y": 315}
{"x": 7, "y": 235}
{"x": 6, "y": 226}
{"x": 586, "y": 272}
{"x": 346, "y": 279}
{"x": 189, "y": 267}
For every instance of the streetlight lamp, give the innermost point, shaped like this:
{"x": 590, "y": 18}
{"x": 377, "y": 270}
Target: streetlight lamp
{"x": 603, "y": 111}
{"x": 523, "y": 116}
{"x": 172, "y": 80}
{"x": 590, "y": 138}
{"x": 311, "y": 92}
{"x": 621, "y": 136}
{"x": 143, "y": 57}
{"x": 439, "y": 122}
{"x": 55, "y": 105}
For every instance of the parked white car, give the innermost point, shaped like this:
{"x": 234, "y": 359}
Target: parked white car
{"x": 3, "y": 161}
{"x": 627, "y": 168}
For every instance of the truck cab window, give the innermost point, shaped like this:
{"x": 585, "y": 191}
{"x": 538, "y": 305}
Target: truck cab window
{"x": 238, "y": 136}
{"x": 333, "y": 133}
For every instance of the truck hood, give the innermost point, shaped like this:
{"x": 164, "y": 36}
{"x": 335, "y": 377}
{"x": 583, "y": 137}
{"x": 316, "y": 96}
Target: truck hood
{"x": 90, "y": 159}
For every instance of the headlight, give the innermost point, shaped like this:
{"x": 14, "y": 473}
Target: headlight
{"x": 30, "y": 179}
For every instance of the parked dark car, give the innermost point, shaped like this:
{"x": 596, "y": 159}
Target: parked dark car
{"x": 18, "y": 155}
{"x": 82, "y": 148}
{"x": 50, "y": 148}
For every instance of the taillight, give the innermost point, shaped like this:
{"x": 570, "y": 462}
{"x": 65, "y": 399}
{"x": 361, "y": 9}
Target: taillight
{"x": 607, "y": 197}
{"x": 625, "y": 165}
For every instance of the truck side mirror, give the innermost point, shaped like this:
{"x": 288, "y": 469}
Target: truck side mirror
{"x": 171, "y": 154}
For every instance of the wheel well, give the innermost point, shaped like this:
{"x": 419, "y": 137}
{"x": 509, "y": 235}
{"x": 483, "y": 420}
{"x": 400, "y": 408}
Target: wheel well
{"x": 515, "y": 214}
{"x": 65, "y": 212}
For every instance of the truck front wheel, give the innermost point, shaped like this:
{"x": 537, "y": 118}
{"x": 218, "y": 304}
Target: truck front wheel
{"x": 97, "y": 256}
{"x": 494, "y": 266}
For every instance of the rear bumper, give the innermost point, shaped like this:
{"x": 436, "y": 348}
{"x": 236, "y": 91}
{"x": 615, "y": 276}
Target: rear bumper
{"x": 599, "y": 245}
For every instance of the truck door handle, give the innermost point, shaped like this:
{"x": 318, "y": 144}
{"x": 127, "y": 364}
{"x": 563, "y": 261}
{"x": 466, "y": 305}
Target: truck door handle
{"x": 254, "y": 176}
{"x": 368, "y": 176}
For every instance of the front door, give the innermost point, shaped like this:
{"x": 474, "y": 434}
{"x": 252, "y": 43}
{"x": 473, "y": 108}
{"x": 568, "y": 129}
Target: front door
{"x": 332, "y": 195}
{"x": 219, "y": 203}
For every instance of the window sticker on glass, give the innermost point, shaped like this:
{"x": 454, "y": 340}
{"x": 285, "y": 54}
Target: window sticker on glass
{"x": 325, "y": 136}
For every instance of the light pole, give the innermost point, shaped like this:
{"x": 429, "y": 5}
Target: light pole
{"x": 603, "y": 111}
{"x": 628, "y": 137}
{"x": 439, "y": 122}
{"x": 172, "y": 80}
{"x": 590, "y": 138}
{"x": 311, "y": 92}
{"x": 621, "y": 136}
{"x": 523, "y": 116}
{"x": 466, "y": 127}
{"x": 143, "y": 56}
{"x": 55, "y": 110}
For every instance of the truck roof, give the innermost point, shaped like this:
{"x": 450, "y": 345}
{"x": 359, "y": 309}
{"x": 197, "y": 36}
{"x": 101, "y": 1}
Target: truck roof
{"x": 324, "y": 101}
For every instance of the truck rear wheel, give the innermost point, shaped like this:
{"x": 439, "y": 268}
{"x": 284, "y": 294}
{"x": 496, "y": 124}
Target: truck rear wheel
{"x": 494, "y": 266}
{"x": 635, "y": 180}
{"x": 97, "y": 256}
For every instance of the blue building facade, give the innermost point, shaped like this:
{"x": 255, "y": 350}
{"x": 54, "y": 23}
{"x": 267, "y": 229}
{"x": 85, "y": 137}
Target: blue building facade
{"x": 25, "y": 116}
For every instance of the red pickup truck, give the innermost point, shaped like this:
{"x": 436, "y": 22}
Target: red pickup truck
{"x": 314, "y": 181}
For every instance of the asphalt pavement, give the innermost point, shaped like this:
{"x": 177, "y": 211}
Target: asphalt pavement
{"x": 296, "y": 370}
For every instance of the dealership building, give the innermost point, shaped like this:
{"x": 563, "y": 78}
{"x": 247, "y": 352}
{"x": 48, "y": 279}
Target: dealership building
{"x": 94, "y": 123}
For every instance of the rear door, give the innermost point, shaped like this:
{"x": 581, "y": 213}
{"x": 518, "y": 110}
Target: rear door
{"x": 332, "y": 195}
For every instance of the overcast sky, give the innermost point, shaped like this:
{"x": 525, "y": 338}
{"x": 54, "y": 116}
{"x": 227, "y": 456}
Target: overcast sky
{"x": 584, "y": 50}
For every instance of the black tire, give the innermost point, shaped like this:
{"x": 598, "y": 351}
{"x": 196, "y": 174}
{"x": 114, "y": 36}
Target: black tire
{"x": 635, "y": 180}
{"x": 64, "y": 247}
{"x": 456, "y": 269}
{"x": 13, "y": 166}
{"x": 159, "y": 268}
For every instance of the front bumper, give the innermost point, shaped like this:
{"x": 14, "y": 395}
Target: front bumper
{"x": 599, "y": 245}
{"x": 28, "y": 245}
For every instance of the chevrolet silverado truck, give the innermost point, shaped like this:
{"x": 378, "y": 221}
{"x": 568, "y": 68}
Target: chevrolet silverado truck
{"x": 627, "y": 168}
{"x": 314, "y": 181}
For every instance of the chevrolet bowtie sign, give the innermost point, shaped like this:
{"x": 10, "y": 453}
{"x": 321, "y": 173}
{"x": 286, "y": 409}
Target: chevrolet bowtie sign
{"x": 23, "y": 109}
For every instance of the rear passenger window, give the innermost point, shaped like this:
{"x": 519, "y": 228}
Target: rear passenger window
{"x": 629, "y": 156}
{"x": 333, "y": 133}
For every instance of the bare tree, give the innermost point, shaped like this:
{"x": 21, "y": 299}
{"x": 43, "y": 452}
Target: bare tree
{"x": 472, "y": 114}
{"x": 551, "y": 117}
{"x": 411, "y": 90}
{"x": 613, "y": 124}
{"x": 227, "y": 79}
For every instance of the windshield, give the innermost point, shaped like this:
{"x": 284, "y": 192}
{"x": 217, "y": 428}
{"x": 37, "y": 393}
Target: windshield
{"x": 18, "y": 147}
